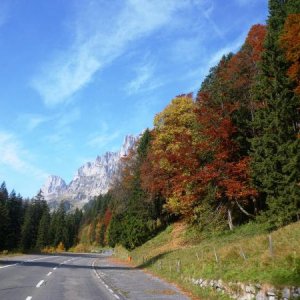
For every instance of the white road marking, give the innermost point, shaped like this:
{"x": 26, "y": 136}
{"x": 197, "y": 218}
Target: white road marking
{"x": 24, "y": 261}
{"x": 49, "y": 273}
{"x": 9, "y": 266}
{"x": 30, "y": 260}
{"x": 40, "y": 283}
{"x": 102, "y": 281}
{"x": 28, "y": 298}
{"x": 55, "y": 268}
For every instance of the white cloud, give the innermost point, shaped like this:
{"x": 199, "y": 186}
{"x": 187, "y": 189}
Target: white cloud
{"x": 61, "y": 128}
{"x": 144, "y": 79}
{"x": 207, "y": 14}
{"x": 246, "y": 2}
{"x": 14, "y": 156}
{"x": 233, "y": 47}
{"x": 98, "y": 40}
{"x": 100, "y": 140}
{"x": 199, "y": 73}
{"x": 61, "y": 120}
{"x": 32, "y": 121}
{"x": 188, "y": 49}
{"x": 102, "y": 137}
{"x": 65, "y": 119}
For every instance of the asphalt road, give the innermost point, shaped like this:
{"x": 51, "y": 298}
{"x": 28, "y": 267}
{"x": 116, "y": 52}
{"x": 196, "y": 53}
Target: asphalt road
{"x": 78, "y": 276}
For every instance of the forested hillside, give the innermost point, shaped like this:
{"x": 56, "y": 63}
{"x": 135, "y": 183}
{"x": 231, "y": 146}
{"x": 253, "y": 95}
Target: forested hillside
{"x": 28, "y": 225}
{"x": 217, "y": 159}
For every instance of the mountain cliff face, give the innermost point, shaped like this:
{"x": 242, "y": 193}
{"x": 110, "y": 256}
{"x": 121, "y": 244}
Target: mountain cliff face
{"x": 90, "y": 180}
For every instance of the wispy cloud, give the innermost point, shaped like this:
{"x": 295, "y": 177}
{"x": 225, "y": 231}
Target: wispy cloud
{"x": 232, "y": 47}
{"x": 98, "y": 40}
{"x": 61, "y": 120}
{"x": 246, "y": 2}
{"x": 187, "y": 49}
{"x": 32, "y": 121}
{"x": 102, "y": 137}
{"x": 100, "y": 140}
{"x": 16, "y": 157}
{"x": 207, "y": 14}
{"x": 197, "y": 74}
{"x": 144, "y": 80}
{"x": 67, "y": 118}
{"x": 61, "y": 127}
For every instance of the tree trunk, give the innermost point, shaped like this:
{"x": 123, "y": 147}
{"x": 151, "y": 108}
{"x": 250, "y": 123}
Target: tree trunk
{"x": 255, "y": 205}
{"x": 243, "y": 210}
{"x": 230, "y": 219}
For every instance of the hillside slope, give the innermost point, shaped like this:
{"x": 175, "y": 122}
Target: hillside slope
{"x": 243, "y": 255}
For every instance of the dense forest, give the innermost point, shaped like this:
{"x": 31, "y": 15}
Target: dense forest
{"x": 218, "y": 159}
{"x": 28, "y": 225}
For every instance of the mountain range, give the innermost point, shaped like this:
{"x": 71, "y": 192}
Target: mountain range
{"x": 90, "y": 180}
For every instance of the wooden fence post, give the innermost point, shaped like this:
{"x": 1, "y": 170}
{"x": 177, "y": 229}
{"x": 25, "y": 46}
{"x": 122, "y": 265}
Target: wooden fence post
{"x": 178, "y": 266}
{"x": 242, "y": 253}
{"x": 271, "y": 245}
{"x": 216, "y": 256}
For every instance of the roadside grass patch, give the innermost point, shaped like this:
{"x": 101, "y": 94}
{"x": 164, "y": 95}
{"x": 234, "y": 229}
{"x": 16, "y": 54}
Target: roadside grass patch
{"x": 248, "y": 254}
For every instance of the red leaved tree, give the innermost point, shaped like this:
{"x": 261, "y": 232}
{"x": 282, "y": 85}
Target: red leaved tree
{"x": 290, "y": 41}
{"x": 224, "y": 170}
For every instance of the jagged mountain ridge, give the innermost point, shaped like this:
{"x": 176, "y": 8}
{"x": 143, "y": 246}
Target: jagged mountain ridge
{"x": 90, "y": 180}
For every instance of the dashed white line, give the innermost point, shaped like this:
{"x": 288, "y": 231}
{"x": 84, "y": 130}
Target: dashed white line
{"x": 28, "y": 298}
{"x": 49, "y": 273}
{"x": 54, "y": 268}
{"x": 40, "y": 283}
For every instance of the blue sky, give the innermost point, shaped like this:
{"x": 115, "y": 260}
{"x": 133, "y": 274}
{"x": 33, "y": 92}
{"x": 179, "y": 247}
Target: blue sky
{"x": 77, "y": 76}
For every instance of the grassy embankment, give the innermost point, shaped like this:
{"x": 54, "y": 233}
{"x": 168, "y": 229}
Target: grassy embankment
{"x": 244, "y": 255}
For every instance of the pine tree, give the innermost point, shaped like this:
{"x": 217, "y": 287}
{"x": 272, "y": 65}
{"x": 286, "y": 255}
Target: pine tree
{"x": 15, "y": 212}
{"x": 60, "y": 226}
{"x": 3, "y": 193}
{"x": 33, "y": 215}
{"x": 276, "y": 149}
{"x": 27, "y": 231}
{"x": 4, "y": 216}
{"x": 43, "y": 231}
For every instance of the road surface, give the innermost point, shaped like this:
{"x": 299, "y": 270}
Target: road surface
{"x": 78, "y": 276}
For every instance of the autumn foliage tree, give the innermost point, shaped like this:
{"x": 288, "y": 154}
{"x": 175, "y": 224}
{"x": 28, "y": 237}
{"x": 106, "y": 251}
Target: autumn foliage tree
{"x": 222, "y": 168}
{"x": 290, "y": 42}
{"x": 173, "y": 158}
{"x": 232, "y": 82}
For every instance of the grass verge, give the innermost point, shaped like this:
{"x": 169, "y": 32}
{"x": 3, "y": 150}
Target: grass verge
{"x": 248, "y": 254}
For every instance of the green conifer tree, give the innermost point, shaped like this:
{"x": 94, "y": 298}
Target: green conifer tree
{"x": 276, "y": 148}
{"x": 4, "y": 216}
{"x": 43, "y": 231}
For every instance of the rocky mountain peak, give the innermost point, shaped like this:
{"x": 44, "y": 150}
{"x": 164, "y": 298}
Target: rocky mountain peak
{"x": 90, "y": 180}
{"x": 53, "y": 185}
